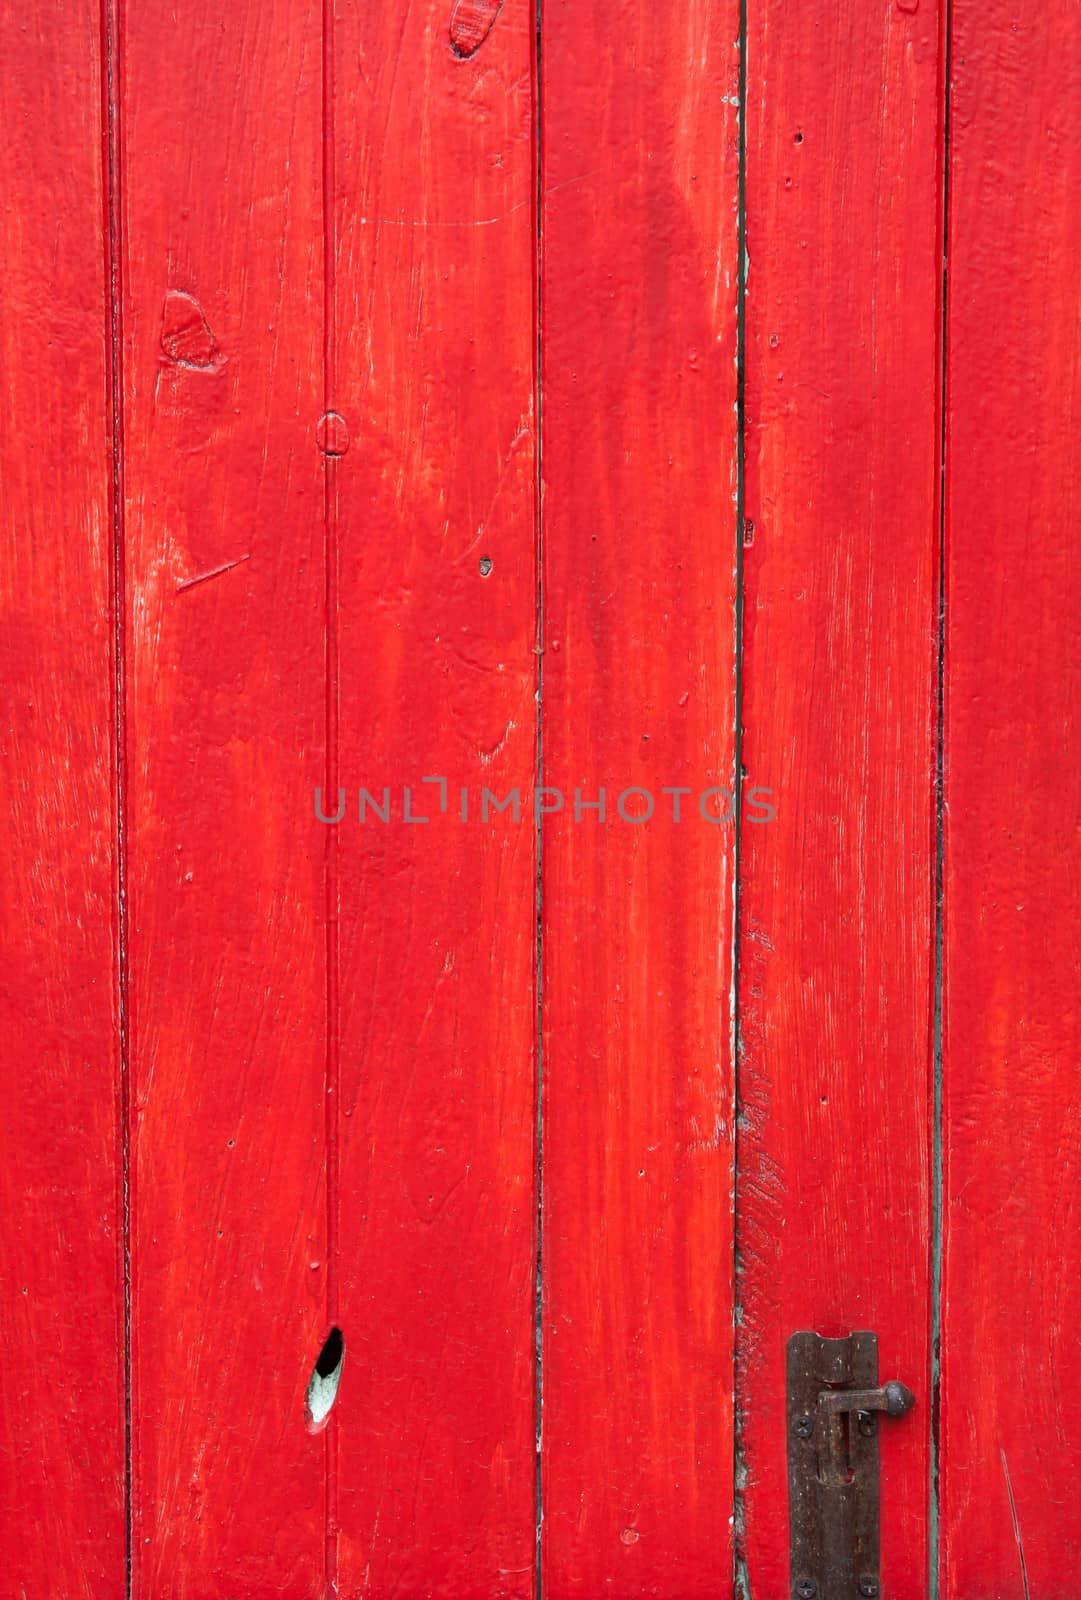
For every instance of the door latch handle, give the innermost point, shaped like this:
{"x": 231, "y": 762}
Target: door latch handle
{"x": 833, "y": 1404}
{"x": 893, "y": 1398}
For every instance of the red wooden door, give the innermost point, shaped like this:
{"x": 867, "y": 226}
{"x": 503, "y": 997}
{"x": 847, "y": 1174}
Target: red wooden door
{"x": 542, "y": 856}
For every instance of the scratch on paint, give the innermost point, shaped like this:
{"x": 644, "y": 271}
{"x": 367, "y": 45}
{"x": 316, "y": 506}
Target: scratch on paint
{"x": 1016, "y": 1525}
{"x": 215, "y": 572}
{"x": 477, "y": 222}
{"x": 488, "y": 756}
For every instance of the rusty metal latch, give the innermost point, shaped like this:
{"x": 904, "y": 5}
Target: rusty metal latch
{"x": 833, "y": 1492}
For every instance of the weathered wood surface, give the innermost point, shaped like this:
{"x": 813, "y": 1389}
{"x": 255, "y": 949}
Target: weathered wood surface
{"x": 62, "y": 1513}
{"x": 840, "y": 601}
{"x": 371, "y": 421}
{"x": 432, "y": 366}
{"x": 1011, "y": 1307}
{"x": 639, "y": 182}
{"x": 221, "y": 338}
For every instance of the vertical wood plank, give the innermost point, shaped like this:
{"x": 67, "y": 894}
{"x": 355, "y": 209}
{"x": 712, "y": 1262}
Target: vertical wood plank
{"x": 1012, "y": 1027}
{"x": 61, "y": 1313}
{"x": 838, "y": 710}
{"x": 222, "y": 138}
{"x": 434, "y": 353}
{"x": 638, "y": 328}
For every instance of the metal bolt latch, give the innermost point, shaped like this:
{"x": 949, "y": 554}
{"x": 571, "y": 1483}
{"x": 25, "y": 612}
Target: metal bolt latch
{"x": 834, "y": 1400}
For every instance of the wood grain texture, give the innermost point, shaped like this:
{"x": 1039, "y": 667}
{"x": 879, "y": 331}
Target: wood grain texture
{"x": 433, "y": 372}
{"x": 337, "y": 249}
{"x": 639, "y": 210}
{"x": 838, "y": 711}
{"x": 222, "y": 153}
{"x": 1012, "y": 1027}
{"x": 62, "y": 1305}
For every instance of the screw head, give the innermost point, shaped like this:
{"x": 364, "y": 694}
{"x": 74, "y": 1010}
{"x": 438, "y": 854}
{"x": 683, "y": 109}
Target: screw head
{"x": 806, "y": 1589}
{"x": 867, "y": 1425}
{"x": 803, "y": 1427}
{"x": 869, "y": 1587}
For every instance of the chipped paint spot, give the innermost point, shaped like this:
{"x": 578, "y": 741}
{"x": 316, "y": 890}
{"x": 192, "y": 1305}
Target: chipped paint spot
{"x": 471, "y": 22}
{"x": 186, "y": 338}
{"x": 332, "y": 434}
{"x": 325, "y": 1378}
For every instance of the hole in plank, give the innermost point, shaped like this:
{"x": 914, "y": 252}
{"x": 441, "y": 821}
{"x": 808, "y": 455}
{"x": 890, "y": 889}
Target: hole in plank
{"x": 325, "y": 1378}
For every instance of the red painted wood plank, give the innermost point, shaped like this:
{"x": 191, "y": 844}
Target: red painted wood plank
{"x": 222, "y": 137}
{"x": 432, "y": 371}
{"x": 838, "y": 710}
{"x": 61, "y": 1312}
{"x": 640, "y": 184}
{"x": 1012, "y": 1028}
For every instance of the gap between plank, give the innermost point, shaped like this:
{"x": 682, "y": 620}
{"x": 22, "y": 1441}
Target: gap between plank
{"x": 332, "y": 1083}
{"x": 942, "y": 335}
{"x": 740, "y": 1576}
{"x": 538, "y": 1303}
{"x": 112, "y": 242}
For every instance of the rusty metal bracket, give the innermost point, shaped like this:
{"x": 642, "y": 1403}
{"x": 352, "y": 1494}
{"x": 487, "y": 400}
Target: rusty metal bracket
{"x": 833, "y": 1490}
